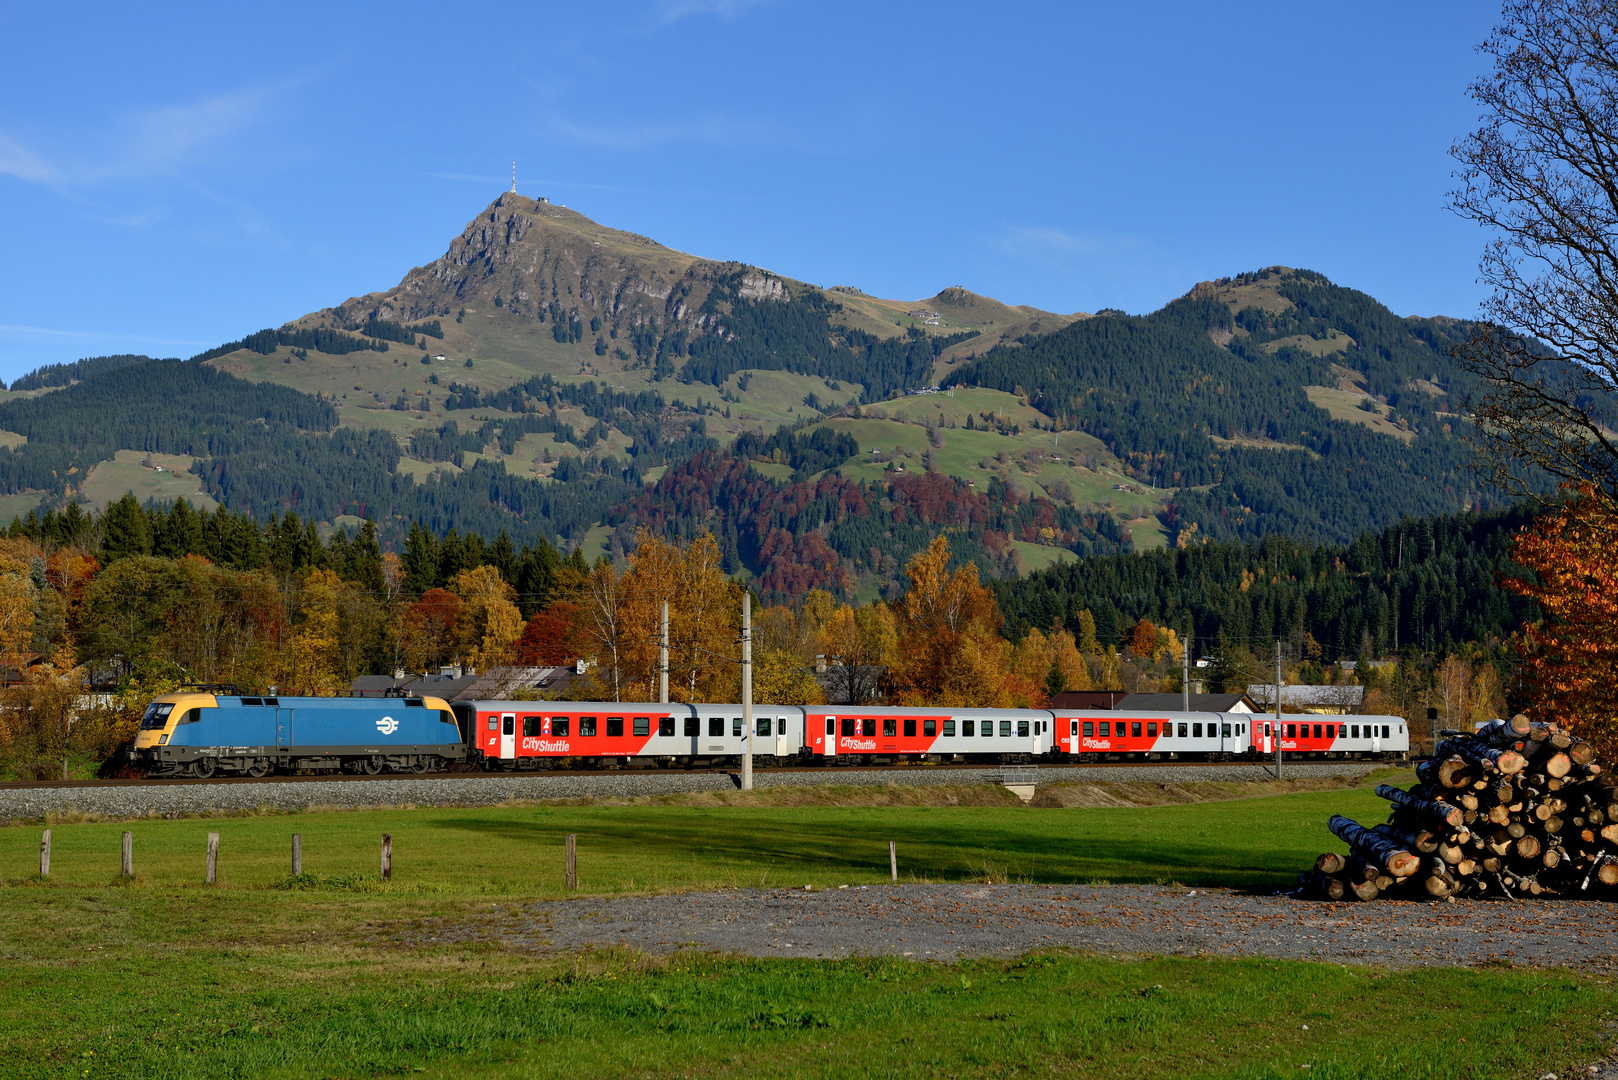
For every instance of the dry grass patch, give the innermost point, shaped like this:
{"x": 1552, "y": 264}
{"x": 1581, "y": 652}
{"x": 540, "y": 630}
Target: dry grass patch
{"x": 1142, "y": 793}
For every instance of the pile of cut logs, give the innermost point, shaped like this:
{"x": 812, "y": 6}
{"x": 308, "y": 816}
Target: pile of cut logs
{"x": 1514, "y": 809}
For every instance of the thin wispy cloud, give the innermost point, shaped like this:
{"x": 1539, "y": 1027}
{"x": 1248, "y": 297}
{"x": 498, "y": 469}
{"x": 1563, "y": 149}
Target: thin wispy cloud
{"x": 153, "y": 142}
{"x": 672, "y": 11}
{"x": 47, "y": 333}
{"x": 1023, "y": 241}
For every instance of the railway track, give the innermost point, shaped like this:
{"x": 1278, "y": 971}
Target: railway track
{"x": 840, "y": 770}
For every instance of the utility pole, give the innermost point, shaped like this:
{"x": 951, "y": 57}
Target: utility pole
{"x": 747, "y": 690}
{"x": 1278, "y": 708}
{"x": 663, "y": 659}
{"x": 1185, "y": 673}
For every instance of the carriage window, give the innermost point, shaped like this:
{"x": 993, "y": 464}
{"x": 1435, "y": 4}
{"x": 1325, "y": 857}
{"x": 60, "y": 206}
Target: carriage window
{"x": 1106, "y": 729}
{"x": 850, "y": 726}
{"x": 1224, "y": 729}
{"x": 665, "y": 725}
{"x": 559, "y": 725}
{"x": 1317, "y": 731}
{"x": 1196, "y": 731}
{"x": 889, "y": 726}
{"x": 716, "y": 727}
{"x": 929, "y": 727}
{"x": 587, "y": 727}
{"x": 1354, "y": 731}
{"x": 1292, "y": 732}
{"x": 1331, "y": 731}
{"x": 988, "y": 729}
{"x": 966, "y": 728}
{"x": 530, "y": 725}
{"x": 910, "y": 728}
{"x": 1005, "y": 729}
{"x": 781, "y": 728}
{"x": 494, "y": 722}
{"x": 764, "y": 725}
{"x": 1151, "y": 729}
{"x": 1385, "y": 730}
{"x": 949, "y": 728}
{"x": 1183, "y": 729}
{"x": 868, "y": 726}
{"x": 1022, "y": 729}
{"x": 736, "y": 726}
{"x": 693, "y": 726}
{"x": 831, "y": 725}
{"x": 1089, "y": 728}
{"x": 1134, "y": 729}
{"x": 615, "y": 727}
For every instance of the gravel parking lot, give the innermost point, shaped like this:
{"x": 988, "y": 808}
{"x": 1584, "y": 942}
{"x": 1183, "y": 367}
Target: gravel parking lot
{"x": 949, "y": 922}
{"x": 180, "y": 799}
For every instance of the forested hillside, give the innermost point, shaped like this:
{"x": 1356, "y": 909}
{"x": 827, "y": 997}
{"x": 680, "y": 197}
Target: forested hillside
{"x": 1228, "y": 395}
{"x": 1428, "y": 583}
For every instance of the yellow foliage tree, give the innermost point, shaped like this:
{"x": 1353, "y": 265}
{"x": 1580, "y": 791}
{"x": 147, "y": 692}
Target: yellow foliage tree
{"x": 949, "y": 634}
{"x": 782, "y": 678}
{"x": 489, "y": 621}
{"x": 861, "y": 645}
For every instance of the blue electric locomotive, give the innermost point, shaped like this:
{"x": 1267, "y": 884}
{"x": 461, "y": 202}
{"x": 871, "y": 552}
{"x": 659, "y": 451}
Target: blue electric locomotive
{"x": 198, "y": 734}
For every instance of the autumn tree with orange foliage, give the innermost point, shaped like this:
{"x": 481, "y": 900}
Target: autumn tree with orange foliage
{"x": 950, "y": 648}
{"x": 1570, "y": 658}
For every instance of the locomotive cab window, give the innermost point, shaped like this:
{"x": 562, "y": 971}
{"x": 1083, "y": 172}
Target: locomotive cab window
{"x": 559, "y": 725}
{"x": 191, "y": 716}
{"x": 530, "y": 725}
{"x": 445, "y": 716}
{"x": 587, "y": 727}
{"x": 156, "y": 716}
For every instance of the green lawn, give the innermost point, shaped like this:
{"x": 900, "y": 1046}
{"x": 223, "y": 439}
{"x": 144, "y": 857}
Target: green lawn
{"x": 169, "y": 977}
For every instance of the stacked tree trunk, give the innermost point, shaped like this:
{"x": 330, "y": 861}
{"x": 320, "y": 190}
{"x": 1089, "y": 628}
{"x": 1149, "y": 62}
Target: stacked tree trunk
{"x": 1515, "y": 809}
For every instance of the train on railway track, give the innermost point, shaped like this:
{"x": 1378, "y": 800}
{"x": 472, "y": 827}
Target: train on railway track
{"x": 199, "y": 733}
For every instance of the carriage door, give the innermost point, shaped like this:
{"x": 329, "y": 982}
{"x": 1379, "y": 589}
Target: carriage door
{"x": 283, "y": 727}
{"x": 830, "y": 748}
{"x": 508, "y": 736}
{"x": 1376, "y": 739}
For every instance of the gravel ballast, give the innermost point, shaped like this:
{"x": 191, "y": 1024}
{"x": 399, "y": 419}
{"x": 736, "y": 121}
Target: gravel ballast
{"x": 171, "y": 799}
{"x": 952, "y": 921}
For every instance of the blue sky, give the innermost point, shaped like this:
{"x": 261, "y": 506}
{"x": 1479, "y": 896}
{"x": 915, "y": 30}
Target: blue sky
{"x": 176, "y": 175}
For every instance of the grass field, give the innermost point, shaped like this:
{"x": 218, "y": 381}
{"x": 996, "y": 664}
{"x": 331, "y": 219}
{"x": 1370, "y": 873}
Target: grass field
{"x": 168, "y": 977}
{"x": 110, "y": 480}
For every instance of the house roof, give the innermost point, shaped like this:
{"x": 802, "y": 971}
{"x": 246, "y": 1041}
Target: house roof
{"x": 502, "y": 682}
{"x": 1086, "y": 699}
{"x": 1199, "y": 703}
{"x": 1332, "y": 696}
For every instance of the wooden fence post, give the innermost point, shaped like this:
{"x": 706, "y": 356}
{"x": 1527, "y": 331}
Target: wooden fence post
{"x": 893, "y": 860}
{"x": 387, "y": 856}
{"x": 45, "y": 855}
{"x": 129, "y": 854}
{"x": 213, "y": 858}
{"x": 297, "y": 854}
{"x": 572, "y": 861}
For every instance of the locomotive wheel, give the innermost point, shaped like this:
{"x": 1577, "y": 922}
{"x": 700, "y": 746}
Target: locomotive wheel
{"x": 203, "y": 769}
{"x": 418, "y": 766}
{"x": 259, "y": 768}
{"x": 372, "y": 766}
